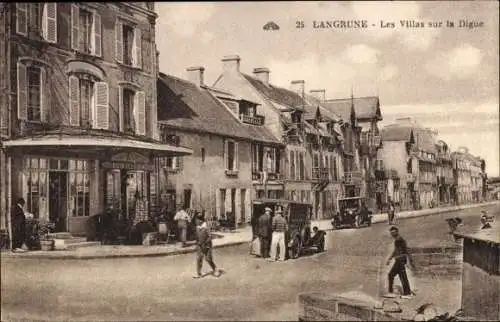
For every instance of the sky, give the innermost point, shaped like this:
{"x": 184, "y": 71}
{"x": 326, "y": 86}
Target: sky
{"x": 445, "y": 78}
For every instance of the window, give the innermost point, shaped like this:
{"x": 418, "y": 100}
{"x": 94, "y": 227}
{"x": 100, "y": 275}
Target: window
{"x": 302, "y": 168}
{"x": 335, "y": 171}
{"x": 409, "y": 166}
{"x": 34, "y": 93}
{"x": 37, "y": 20}
{"x": 31, "y": 88}
{"x": 257, "y": 162}
{"x": 271, "y": 161}
{"x": 128, "y": 44}
{"x": 172, "y": 163}
{"x": 35, "y": 175}
{"x": 202, "y": 154}
{"x": 231, "y": 155}
{"x": 89, "y": 102}
{"x": 128, "y": 110}
{"x": 292, "y": 165}
{"x": 132, "y": 111}
{"x": 86, "y": 31}
{"x": 79, "y": 188}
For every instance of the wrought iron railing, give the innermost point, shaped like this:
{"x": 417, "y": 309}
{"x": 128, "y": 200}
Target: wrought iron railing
{"x": 320, "y": 174}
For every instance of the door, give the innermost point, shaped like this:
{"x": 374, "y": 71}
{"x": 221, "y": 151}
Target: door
{"x": 187, "y": 198}
{"x": 243, "y": 205}
{"x": 58, "y": 200}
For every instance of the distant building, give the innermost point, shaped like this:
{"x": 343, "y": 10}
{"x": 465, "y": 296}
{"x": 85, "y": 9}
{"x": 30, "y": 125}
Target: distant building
{"x": 462, "y": 167}
{"x": 79, "y": 133}
{"x": 444, "y": 174}
{"x": 368, "y": 114}
{"x": 409, "y": 153}
{"x": 235, "y": 157}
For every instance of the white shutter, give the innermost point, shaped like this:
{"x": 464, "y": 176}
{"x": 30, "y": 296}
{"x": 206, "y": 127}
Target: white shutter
{"x": 22, "y": 92}
{"x": 22, "y": 18}
{"x": 226, "y": 159}
{"x": 236, "y": 159}
{"x": 75, "y": 17}
{"x": 96, "y": 35}
{"x": 120, "y": 108}
{"x": 102, "y": 105}
{"x": 74, "y": 101}
{"x": 119, "y": 42}
{"x": 137, "y": 49}
{"x": 140, "y": 113}
{"x": 44, "y": 90}
{"x": 49, "y": 22}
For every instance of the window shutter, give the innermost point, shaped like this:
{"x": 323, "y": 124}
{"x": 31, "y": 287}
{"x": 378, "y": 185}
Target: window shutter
{"x": 22, "y": 18}
{"x": 137, "y": 50}
{"x": 74, "y": 101}
{"x": 44, "y": 90}
{"x": 75, "y": 17}
{"x": 120, "y": 108}
{"x": 236, "y": 159}
{"x": 226, "y": 159}
{"x": 96, "y": 35}
{"x": 22, "y": 92}
{"x": 180, "y": 162}
{"x": 49, "y": 22}
{"x": 119, "y": 42}
{"x": 102, "y": 105}
{"x": 261, "y": 157}
{"x": 140, "y": 113}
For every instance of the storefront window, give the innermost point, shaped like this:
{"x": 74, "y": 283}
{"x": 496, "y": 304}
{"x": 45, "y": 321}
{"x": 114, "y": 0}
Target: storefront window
{"x": 79, "y": 184}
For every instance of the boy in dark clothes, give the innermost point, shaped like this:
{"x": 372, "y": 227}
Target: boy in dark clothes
{"x": 204, "y": 247}
{"x": 400, "y": 255}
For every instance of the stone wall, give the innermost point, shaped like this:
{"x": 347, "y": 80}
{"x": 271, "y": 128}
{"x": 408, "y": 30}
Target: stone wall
{"x": 332, "y": 307}
{"x": 437, "y": 261}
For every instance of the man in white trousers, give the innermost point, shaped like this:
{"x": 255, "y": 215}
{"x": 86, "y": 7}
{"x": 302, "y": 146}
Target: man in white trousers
{"x": 279, "y": 227}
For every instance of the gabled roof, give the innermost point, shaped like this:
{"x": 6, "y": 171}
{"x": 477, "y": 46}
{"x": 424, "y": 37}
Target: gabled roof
{"x": 325, "y": 113}
{"x": 344, "y": 110}
{"x": 395, "y": 132}
{"x": 402, "y": 132}
{"x": 280, "y": 95}
{"x": 365, "y": 107}
{"x": 184, "y": 105}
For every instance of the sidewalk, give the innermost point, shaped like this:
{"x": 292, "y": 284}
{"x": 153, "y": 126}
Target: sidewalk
{"x": 222, "y": 239}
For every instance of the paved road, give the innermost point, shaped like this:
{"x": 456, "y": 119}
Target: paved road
{"x": 163, "y": 288}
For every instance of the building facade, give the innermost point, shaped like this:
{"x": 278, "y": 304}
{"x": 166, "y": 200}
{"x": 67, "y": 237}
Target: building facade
{"x": 80, "y": 118}
{"x": 309, "y": 161}
{"x": 444, "y": 172}
{"x": 366, "y": 139}
{"x": 235, "y": 159}
{"x": 462, "y": 175}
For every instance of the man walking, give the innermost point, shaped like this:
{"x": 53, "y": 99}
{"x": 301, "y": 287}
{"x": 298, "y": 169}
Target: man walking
{"x": 279, "y": 227}
{"x": 182, "y": 219}
{"x": 204, "y": 247}
{"x": 18, "y": 222}
{"x": 400, "y": 256}
{"x": 264, "y": 232}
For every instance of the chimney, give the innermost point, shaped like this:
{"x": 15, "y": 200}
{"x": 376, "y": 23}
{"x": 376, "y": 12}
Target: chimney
{"x": 195, "y": 75}
{"x": 231, "y": 63}
{"x": 298, "y": 87}
{"x": 262, "y": 74}
{"x": 319, "y": 94}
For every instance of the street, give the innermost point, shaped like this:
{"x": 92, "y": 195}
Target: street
{"x": 162, "y": 288}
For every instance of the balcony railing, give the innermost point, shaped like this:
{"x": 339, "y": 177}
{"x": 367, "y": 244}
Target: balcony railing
{"x": 320, "y": 174}
{"x": 352, "y": 177}
{"x": 271, "y": 176}
{"x": 253, "y": 120}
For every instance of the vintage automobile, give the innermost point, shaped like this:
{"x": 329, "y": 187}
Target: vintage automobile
{"x": 351, "y": 215}
{"x": 298, "y": 216}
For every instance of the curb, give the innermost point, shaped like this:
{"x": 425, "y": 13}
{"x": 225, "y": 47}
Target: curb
{"x": 114, "y": 256}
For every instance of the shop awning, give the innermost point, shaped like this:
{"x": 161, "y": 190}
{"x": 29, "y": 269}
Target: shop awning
{"x": 48, "y": 143}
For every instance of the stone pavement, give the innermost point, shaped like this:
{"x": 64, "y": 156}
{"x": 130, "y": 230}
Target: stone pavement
{"x": 223, "y": 239}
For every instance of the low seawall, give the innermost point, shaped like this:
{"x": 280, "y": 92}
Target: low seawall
{"x": 437, "y": 261}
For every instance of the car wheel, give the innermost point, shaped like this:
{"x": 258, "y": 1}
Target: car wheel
{"x": 296, "y": 248}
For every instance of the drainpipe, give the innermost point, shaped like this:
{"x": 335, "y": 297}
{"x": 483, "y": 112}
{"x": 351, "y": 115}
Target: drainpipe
{"x": 9, "y": 197}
